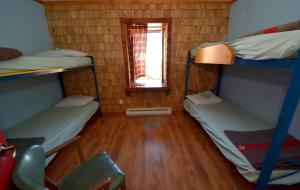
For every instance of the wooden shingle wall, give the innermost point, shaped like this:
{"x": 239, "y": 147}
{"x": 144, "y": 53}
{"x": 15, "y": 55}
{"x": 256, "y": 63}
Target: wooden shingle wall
{"x": 95, "y": 28}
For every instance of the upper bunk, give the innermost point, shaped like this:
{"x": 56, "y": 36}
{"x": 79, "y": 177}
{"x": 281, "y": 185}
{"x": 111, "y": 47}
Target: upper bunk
{"x": 268, "y": 50}
{"x": 27, "y": 66}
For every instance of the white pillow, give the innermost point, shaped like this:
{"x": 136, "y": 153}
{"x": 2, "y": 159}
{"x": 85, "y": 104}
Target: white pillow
{"x": 204, "y": 98}
{"x": 61, "y": 53}
{"x": 74, "y": 101}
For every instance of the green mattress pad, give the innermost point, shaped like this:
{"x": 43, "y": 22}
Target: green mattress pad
{"x": 25, "y": 63}
{"x": 56, "y": 125}
{"x": 218, "y": 117}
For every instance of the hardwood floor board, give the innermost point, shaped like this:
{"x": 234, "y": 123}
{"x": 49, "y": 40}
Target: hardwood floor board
{"x": 156, "y": 153}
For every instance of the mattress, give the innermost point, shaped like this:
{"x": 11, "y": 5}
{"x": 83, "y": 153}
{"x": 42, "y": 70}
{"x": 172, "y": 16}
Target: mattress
{"x": 57, "y": 125}
{"x": 218, "y": 117}
{"x": 281, "y": 45}
{"x": 32, "y": 63}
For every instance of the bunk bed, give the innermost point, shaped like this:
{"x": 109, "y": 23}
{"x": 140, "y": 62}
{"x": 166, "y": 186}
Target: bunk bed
{"x": 56, "y": 124}
{"x": 220, "y": 117}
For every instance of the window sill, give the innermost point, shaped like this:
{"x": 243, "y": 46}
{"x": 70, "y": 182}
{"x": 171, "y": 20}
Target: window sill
{"x": 144, "y": 87}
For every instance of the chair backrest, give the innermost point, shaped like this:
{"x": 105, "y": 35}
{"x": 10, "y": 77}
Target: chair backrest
{"x": 29, "y": 172}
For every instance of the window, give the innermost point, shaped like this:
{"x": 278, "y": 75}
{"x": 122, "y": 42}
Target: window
{"x": 146, "y": 44}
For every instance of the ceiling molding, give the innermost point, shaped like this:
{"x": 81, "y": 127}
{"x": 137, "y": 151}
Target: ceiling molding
{"x": 72, "y": 2}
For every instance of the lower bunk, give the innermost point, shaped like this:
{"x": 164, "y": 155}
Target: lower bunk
{"x": 221, "y": 120}
{"x": 55, "y": 125}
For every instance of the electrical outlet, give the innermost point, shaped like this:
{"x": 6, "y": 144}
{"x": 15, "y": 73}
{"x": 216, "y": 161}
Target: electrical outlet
{"x": 120, "y": 101}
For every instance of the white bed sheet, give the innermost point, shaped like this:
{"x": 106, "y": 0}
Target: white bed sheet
{"x": 281, "y": 45}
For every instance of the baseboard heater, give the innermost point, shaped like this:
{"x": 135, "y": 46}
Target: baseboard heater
{"x": 148, "y": 111}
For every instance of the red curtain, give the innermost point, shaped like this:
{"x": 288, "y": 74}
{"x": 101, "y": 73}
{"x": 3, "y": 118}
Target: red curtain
{"x": 137, "y": 34}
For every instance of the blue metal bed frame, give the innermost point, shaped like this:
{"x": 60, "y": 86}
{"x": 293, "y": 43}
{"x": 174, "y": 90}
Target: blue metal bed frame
{"x": 286, "y": 115}
{"x": 59, "y": 71}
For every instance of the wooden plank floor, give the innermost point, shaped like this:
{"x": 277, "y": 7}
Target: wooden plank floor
{"x": 156, "y": 153}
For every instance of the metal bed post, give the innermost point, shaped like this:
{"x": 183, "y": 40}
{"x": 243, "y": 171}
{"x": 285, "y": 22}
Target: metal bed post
{"x": 187, "y": 74}
{"x": 219, "y": 80}
{"x": 62, "y": 84}
{"x": 283, "y": 124}
{"x": 96, "y": 84}
{"x": 95, "y": 80}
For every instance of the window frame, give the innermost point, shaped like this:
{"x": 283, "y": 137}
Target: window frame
{"x": 130, "y": 86}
